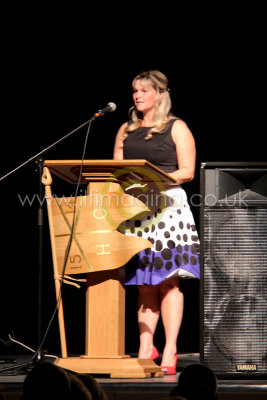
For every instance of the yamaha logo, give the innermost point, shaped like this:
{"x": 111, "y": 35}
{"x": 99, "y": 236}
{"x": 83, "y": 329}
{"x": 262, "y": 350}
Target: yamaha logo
{"x": 246, "y": 367}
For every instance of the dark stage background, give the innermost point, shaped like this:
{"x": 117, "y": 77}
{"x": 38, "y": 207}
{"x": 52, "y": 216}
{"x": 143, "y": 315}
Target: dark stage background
{"x": 55, "y": 78}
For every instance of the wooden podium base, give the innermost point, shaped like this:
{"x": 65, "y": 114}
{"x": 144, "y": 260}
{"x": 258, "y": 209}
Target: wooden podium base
{"x": 115, "y": 367}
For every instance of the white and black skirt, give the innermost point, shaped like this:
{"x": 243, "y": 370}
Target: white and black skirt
{"x": 171, "y": 229}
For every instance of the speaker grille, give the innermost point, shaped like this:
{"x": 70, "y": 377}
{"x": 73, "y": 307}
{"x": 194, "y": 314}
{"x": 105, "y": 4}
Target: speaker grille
{"x": 234, "y": 246}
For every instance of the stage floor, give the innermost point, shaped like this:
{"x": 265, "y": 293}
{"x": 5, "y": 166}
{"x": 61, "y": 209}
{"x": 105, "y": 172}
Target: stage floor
{"x": 13, "y": 373}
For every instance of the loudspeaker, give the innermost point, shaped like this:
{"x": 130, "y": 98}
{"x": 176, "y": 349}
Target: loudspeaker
{"x": 233, "y": 285}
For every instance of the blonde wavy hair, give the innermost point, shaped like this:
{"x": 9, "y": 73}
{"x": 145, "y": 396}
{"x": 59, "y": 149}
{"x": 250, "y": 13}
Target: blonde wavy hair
{"x": 159, "y": 82}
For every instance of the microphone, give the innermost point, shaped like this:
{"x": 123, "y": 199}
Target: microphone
{"x": 109, "y": 108}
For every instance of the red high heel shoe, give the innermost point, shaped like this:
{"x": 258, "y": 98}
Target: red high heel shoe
{"x": 170, "y": 370}
{"x": 155, "y": 354}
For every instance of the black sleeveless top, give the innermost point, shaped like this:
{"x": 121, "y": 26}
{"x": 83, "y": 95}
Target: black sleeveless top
{"x": 160, "y": 150}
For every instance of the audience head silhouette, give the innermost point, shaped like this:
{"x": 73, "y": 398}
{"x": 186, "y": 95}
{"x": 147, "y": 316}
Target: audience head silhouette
{"x": 2, "y": 394}
{"x": 196, "y": 381}
{"x": 48, "y": 381}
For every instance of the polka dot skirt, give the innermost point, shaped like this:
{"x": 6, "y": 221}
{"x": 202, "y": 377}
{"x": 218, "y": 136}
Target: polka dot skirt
{"x": 170, "y": 227}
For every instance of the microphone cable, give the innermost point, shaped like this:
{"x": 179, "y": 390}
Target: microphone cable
{"x": 109, "y": 108}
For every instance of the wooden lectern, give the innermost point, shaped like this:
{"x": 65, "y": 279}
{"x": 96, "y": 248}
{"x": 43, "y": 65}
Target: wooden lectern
{"x": 100, "y": 251}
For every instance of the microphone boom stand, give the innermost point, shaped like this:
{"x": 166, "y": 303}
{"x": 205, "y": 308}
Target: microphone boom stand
{"x": 47, "y": 148}
{"x": 40, "y": 161}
